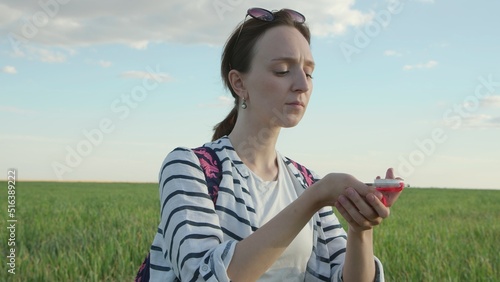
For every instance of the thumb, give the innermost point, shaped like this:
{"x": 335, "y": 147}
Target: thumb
{"x": 390, "y": 173}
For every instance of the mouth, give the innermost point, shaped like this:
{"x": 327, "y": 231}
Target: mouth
{"x": 296, "y": 103}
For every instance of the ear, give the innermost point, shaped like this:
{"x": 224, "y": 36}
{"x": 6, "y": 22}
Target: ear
{"x": 237, "y": 83}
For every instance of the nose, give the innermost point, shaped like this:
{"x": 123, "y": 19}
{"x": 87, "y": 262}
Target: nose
{"x": 301, "y": 82}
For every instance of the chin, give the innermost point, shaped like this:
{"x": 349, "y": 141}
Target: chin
{"x": 287, "y": 120}
{"x": 291, "y": 122}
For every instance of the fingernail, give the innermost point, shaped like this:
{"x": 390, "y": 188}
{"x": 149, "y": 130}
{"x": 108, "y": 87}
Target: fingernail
{"x": 350, "y": 192}
{"x": 371, "y": 197}
{"x": 342, "y": 199}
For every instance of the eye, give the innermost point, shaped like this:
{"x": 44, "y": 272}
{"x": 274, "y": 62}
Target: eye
{"x": 308, "y": 71}
{"x": 281, "y": 73}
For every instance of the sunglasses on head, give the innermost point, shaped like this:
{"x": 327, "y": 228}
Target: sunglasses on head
{"x": 268, "y": 16}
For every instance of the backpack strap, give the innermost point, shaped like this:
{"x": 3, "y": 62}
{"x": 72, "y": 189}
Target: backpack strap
{"x": 212, "y": 168}
{"x": 306, "y": 173}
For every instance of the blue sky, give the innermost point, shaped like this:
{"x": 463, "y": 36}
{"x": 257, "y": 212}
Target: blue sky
{"x": 94, "y": 91}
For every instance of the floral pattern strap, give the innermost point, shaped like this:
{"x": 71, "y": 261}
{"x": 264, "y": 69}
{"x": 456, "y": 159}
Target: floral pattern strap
{"x": 308, "y": 177}
{"x": 211, "y": 166}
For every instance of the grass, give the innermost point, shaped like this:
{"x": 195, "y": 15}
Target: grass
{"x": 442, "y": 235}
{"x": 82, "y": 231}
{"x": 102, "y": 231}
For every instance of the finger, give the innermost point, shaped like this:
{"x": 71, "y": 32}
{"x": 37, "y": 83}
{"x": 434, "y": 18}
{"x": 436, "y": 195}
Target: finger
{"x": 390, "y": 173}
{"x": 347, "y": 216}
{"x": 380, "y": 209}
{"x": 361, "y": 205}
{"x": 355, "y": 217}
{"x": 364, "y": 189}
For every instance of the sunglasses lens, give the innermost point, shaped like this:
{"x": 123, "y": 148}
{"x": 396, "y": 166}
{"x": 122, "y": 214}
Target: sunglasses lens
{"x": 296, "y": 16}
{"x": 261, "y": 14}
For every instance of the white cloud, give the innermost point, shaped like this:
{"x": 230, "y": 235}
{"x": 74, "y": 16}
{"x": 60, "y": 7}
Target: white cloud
{"x": 8, "y": 15}
{"x": 137, "y": 24}
{"x": 392, "y": 53}
{"x": 474, "y": 113}
{"x": 140, "y": 45}
{"x": 9, "y": 70}
{"x": 35, "y": 139}
{"x": 481, "y": 121}
{"x": 16, "y": 110}
{"x": 44, "y": 54}
{"x": 226, "y": 100}
{"x": 50, "y": 56}
{"x": 222, "y": 101}
{"x": 160, "y": 77}
{"x": 491, "y": 101}
{"x": 428, "y": 65}
{"x": 335, "y": 17}
{"x": 105, "y": 64}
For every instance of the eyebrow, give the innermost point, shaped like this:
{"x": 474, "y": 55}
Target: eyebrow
{"x": 309, "y": 63}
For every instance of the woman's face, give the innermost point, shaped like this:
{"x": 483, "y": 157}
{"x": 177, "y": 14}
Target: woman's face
{"x": 279, "y": 83}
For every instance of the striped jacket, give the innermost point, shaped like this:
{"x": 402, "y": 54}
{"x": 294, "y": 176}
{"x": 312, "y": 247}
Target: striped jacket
{"x": 196, "y": 240}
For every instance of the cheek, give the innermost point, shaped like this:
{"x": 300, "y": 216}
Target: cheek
{"x": 261, "y": 84}
{"x": 269, "y": 91}
{"x": 270, "y": 85}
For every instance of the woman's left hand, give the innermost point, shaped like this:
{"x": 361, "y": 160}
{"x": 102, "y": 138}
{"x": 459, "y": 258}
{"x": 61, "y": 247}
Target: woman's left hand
{"x": 390, "y": 197}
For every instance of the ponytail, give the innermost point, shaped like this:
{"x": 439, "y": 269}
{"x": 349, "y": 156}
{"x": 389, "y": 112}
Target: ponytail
{"x": 226, "y": 126}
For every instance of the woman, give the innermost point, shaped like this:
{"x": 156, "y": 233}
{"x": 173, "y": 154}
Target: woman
{"x": 265, "y": 224}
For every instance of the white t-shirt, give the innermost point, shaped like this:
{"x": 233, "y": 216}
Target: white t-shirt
{"x": 270, "y": 198}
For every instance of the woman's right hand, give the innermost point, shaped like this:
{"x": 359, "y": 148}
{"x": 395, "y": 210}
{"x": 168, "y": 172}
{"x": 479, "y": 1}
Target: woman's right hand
{"x": 330, "y": 187}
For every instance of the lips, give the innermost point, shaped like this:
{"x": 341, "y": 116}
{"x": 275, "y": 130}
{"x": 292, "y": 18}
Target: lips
{"x": 296, "y": 103}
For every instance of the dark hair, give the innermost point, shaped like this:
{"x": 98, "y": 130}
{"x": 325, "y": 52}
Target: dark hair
{"x": 239, "y": 52}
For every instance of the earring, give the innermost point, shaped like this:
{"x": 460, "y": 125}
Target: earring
{"x": 244, "y": 104}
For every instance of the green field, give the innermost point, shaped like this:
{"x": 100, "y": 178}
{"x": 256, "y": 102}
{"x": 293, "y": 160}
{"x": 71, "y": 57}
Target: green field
{"x": 101, "y": 232}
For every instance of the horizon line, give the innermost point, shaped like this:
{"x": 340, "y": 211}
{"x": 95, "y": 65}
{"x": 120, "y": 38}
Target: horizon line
{"x": 148, "y": 182}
